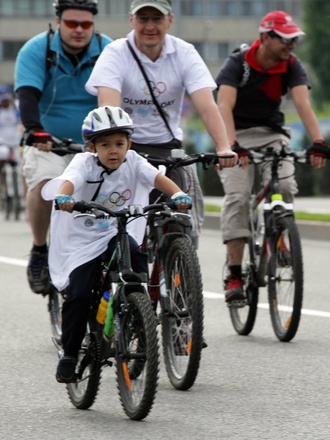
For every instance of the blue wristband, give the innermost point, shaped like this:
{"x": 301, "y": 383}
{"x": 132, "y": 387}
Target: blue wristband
{"x": 182, "y": 199}
{"x": 64, "y": 198}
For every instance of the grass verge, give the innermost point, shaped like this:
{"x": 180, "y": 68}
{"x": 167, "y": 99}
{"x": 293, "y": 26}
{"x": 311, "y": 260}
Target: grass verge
{"x": 298, "y": 215}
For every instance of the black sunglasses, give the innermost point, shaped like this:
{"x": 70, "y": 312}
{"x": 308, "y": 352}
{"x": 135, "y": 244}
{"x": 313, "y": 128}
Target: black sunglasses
{"x": 283, "y": 40}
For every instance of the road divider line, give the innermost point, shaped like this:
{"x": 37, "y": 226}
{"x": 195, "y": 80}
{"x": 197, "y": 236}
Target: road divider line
{"x": 209, "y": 295}
{"x": 13, "y": 261}
{"x": 309, "y": 312}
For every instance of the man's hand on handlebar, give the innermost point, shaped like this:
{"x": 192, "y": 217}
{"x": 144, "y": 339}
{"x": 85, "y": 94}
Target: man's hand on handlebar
{"x": 242, "y": 153}
{"x": 318, "y": 153}
{"x": 182, "y": 201}
{"x": 39, "y": 139}
{"x": 64, "y": 202}
{"x": 227, "y": 159}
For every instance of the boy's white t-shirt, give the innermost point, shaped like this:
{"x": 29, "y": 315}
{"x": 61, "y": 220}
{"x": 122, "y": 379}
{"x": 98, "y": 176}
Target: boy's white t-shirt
{"x": 74, "y": 242}
{"x": 179, "y": 68}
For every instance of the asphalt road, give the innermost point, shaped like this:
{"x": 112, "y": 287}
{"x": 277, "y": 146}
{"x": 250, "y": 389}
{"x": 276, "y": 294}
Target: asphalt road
{"x": 251, "y": 387}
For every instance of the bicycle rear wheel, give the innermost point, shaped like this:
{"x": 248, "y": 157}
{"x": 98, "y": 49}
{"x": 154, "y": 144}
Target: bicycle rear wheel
{"x": 55, "y": 303}
{"x": 137, "y": 356}
{"x": 182, "y": 329}
{"x": 285, "y": 280}
{"x": 13, "y": 197}
{"x": 83, "y": 392}
{"x": 243, "y": 318}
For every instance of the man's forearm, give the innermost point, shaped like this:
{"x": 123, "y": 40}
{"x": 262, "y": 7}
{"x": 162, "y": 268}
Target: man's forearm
{"x": 29, "y": 109}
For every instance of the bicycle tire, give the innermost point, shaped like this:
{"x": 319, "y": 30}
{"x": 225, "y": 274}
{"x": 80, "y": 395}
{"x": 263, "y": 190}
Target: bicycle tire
{"x": 13, "y": 199}
{"x": 182, "y": 331}
{"x": 285, "y": 280}
{"x": 83, "y": 392}
{"x": 136, "y": 339}
{"x": 243, "y": 318}
{"x": 55, "y": 303}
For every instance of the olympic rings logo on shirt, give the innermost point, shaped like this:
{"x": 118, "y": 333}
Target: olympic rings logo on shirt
{"x": 158, "y": 88}
{"x": 114, "y": 199}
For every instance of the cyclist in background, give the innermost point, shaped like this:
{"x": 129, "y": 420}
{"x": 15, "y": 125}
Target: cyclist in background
{"x": 117, "y": 177}
{"x": 250, "y": 86}
{"x": 172, "y": 67}
{"x": 50, "y": 74}
{"x": 9, "y": 127}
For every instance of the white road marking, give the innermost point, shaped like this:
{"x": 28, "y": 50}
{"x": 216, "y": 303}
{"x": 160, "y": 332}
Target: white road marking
{"x": 209, "y": 295}
{"x": 309, "y": 312}
{"x": 13, "y": 261}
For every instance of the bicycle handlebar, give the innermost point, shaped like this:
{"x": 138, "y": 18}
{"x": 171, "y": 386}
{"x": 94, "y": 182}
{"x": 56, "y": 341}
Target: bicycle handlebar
{"x": 62, "y": 147}
{"x": 179, "y": 160}
{"x": 99, "y": 211}
{"x": 257, "y": 157}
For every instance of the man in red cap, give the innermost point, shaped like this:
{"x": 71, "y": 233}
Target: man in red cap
{"x": 250, "y": 88}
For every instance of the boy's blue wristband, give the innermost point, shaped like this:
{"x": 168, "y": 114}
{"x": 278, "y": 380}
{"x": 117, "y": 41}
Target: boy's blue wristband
{"x": 182, "y": 199}
{"x": 64, "y": 198}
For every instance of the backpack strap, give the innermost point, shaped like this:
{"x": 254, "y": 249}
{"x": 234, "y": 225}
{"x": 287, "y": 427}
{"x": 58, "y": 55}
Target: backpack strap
{"x": 50, "y": 55}
{"x": 245, "y": 67}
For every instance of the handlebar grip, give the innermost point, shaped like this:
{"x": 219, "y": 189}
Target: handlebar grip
{"x": 80, "y": 207}
{"x": 41, "y": 137}
{"x": 228, "y": 156}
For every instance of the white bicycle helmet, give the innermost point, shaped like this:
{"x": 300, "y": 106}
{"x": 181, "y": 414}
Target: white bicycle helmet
{"x": 106, "y": 120}
{"x": 85, "y": 5}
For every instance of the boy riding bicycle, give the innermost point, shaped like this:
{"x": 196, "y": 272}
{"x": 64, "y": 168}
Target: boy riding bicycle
{"x": 117, "y": 177}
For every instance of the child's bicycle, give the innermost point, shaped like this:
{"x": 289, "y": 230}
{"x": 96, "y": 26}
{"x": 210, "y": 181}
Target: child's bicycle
{"x": 176, "y": 280}
{"x": 273, "y": 254}
{"x": 129, "y": 334}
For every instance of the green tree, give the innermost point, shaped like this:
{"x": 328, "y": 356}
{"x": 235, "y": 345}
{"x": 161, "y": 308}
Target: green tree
{"x": 316, "y": 15}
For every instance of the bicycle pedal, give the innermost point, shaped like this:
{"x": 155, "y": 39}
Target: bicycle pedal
{"x": 237, "y": 304}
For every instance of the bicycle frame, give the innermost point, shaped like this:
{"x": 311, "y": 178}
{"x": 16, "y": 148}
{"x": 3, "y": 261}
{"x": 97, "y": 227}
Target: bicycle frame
{"x": 117, "y": 271}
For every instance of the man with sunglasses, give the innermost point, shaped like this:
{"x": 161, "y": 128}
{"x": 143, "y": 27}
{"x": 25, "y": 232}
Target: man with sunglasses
{"x": 250, "y": 87}
{"x": 172, "y": 67}
{"x": 50, "y": 75}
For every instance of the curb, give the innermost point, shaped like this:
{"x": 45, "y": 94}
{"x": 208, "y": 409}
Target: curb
{"x": 308, "y": 230}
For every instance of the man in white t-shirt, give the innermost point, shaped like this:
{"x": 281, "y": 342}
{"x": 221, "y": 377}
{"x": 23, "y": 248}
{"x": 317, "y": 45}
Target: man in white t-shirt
{"x": 173, "y": 67}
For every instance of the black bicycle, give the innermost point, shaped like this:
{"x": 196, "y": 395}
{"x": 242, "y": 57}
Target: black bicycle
{"x": 176, "y": 280}
{"x": 130, "y": 331}
{"x": 273, "y": 255}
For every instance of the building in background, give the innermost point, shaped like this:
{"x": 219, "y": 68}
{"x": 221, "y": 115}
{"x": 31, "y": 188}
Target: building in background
{"x": 215, "y": 27}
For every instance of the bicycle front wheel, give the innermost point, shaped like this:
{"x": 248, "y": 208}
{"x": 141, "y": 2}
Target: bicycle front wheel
{"x": 285, "y": 281}
{"x": 137, "y": 356}
{"x": 182, "y": 327}
{"x": 243, "y": 318}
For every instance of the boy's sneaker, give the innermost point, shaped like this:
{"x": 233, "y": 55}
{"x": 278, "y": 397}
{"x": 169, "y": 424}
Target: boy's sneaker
{"x": 37, "y": 272}
{"x": 66, "y": 370}
{"x": 234, "y": 291}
